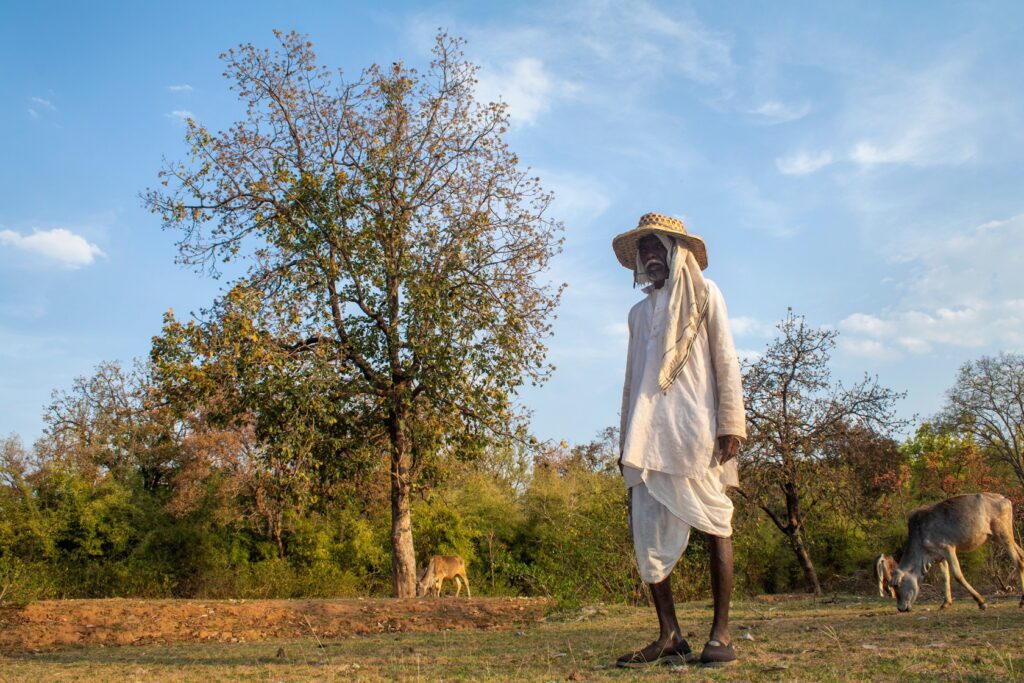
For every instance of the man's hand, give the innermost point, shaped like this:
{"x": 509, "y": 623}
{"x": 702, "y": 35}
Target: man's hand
{"x": 728, "y": 446}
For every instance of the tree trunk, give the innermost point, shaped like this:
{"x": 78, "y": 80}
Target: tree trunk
{"x": 811, "y": 576}
{"x": 278, "y": 532}
{"x": 403, "y": 555}
{"x": 796, "y": 540}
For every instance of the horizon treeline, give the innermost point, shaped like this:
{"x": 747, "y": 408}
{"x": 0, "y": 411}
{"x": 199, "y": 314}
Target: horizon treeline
{"x": 125, "y": 495}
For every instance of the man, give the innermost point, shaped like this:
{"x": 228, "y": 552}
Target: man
{"x": 682, "y": 421}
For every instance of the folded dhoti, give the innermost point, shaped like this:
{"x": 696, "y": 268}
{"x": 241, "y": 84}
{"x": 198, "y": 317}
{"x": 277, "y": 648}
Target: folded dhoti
{"x": 663, "y": 509}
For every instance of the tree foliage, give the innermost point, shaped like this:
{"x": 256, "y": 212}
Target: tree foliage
{"x": 987, "y": 402}
{"x": 394, "y": 249}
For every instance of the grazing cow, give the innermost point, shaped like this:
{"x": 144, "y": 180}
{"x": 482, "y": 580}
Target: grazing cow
{"x": 937, "y": 532}
{"x": 439, "y": 568}
{"x": 885, "y": 565}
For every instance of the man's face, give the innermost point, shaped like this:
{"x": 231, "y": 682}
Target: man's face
{"x": 654, "y": 258}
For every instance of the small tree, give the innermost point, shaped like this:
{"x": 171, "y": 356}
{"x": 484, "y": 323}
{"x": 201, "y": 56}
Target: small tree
{"x": 112, "y": 422}
{"x": 987, "y": 402}
{"x": 795, "y": 414}
{"x": 390, "y": 237}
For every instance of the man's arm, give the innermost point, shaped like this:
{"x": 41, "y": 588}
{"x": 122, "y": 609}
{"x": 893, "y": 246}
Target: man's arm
{"x": 732, "y": 418}
{"x": 626, "y": 388}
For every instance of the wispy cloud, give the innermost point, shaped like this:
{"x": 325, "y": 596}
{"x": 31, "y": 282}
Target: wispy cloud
{"x": 943, "y": 115}
{"x": 181, "y": 115}
{"x": 59, "y": 245}
{"x": 45, "y": 104}
{"x": 40, "y": 107}
{"x": 184, "y": 87}
{"x": 761, "y": 212}
{"x": 525, "y": 85}
{"x": 680, "y": 43}
{"x": 579, "y": 199}
{"x": 602, "y": 47}
{"x": 774, "y": 111}
{"x": 747, "y": 326}
{"x": 803, "y": 163}
{"x": 962, "y": 291}
{"x": 926, "y": 118}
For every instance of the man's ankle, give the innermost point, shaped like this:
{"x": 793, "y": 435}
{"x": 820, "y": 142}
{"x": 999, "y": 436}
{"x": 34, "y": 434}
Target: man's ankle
{"x": 672, "y": 638}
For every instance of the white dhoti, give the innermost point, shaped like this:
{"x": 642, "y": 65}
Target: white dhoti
{"x": 663, "y": 509}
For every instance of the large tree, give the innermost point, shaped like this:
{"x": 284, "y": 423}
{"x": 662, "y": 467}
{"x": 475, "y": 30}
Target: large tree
{"x": 390, "y": 237}
{"x": 796, "y": 415}
{"x": 987, "y": 402}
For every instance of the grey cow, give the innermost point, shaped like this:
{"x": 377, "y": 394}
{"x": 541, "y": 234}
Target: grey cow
{"x": 937, "y": 532}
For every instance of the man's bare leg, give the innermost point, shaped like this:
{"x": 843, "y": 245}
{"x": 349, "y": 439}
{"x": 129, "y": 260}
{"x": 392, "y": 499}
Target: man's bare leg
{"x": 718, "y": 650}
{"x": 670, "y": 643}
{"x": 665, "y": 606}
{"x": 721, "y": 586}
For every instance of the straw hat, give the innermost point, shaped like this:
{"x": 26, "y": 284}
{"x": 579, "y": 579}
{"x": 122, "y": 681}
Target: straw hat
{"x": 650, "y": 223}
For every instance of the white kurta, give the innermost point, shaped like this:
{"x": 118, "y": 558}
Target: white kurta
{"x": 669, "y": 439}
{"x": 676, "y": 432}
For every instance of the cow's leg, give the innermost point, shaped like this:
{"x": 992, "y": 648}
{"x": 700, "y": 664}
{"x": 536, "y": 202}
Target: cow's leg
{"x": 458, "y": 585}
{"x": 954, "y": 566}
{"x": 1004, "y": 530}
{"x": 466, "y": 580}
{"x": 944, "y": 566}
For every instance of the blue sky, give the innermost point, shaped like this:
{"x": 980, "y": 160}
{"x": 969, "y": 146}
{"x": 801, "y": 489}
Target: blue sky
{"x": 858, "y": 162}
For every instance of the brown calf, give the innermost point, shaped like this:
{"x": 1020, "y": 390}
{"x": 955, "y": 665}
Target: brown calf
{"x": 885, "y": 565}
{"x": 439, "y": 568}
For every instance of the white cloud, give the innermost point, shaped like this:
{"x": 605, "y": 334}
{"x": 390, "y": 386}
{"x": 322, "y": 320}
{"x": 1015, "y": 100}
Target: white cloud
{"x": 761, "y": 212}
{"x": 45, "y": 104}
{"x": 748, "y": 355}
{"x": 872, "y": 348}
{"x": 579, "y": 199}
{"x": 33, "y": 113}
{"x": 929, "y": 118}
{"x": 525, "y": 85}
{"x": 773, "y": 111}
{"x": 962, "y": 291}
{"x": 58, "y": 244}
{"x": 802, "y": 163}
{"x": 971, "y": 267}
{"x": 916, "y": 331}
{"x": 616, "y": 51}
{"x": 180, "y": 115}
{"x": 862, "y": 323}
{"x": 746, "y": 326}
{"x": 184, "y": 87}
{"x": 681, "y": 44}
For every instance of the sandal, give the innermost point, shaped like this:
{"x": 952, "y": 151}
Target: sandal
{"x": 677, "y": 654}
{"x": 716, "y": 654}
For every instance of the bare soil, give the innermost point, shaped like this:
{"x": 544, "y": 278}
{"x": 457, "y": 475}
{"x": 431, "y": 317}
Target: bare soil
{"x": 835, "y": 639}
{"x": 54, "y": 624}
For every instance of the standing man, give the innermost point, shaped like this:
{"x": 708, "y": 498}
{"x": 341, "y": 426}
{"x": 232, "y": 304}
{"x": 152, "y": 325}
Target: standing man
{"x": 682, "y": 421}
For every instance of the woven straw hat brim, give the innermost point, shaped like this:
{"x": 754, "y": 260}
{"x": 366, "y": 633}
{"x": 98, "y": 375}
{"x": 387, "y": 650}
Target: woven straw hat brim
{"x": 625, "y": 245}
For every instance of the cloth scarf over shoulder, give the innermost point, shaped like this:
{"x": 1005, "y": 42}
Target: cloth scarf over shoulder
{"x": 688, "y": 295}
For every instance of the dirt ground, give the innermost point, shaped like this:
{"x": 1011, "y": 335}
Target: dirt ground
{"x": 51, "y": 624}
{"x": 784, "y": 638}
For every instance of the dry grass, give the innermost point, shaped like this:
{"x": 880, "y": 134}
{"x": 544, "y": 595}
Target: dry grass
{"x": 845, "y": 638}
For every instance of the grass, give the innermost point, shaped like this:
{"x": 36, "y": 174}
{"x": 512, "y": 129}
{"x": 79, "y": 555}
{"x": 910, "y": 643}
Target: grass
{"x": 844, "y": 638}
